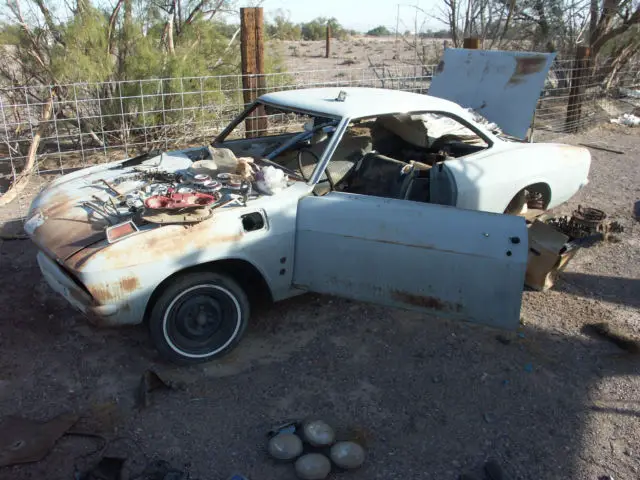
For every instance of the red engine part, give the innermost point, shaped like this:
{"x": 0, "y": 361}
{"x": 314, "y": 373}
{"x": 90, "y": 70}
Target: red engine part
{"x": 175, "y": 201}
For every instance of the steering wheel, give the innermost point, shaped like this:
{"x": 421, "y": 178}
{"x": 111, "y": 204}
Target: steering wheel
{"x": 301, "y": 152}
{"x": 443, "y": 141}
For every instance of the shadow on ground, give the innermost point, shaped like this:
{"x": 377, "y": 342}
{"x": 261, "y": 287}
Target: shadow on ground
{"x": 428, "y": 398}
{"x": 12, "y": 230}
{"x": 624, "y": 291}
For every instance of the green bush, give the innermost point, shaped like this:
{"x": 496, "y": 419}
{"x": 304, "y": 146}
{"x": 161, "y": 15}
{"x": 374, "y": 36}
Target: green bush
{"x": 316, "y": 29}
{"x": 135, "y": 86}
{"x": 380, "y": 31}
{"x": 282, "y": 29}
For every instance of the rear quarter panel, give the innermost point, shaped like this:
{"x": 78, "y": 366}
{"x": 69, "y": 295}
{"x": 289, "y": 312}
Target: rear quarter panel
{"x": 490, "y": 179}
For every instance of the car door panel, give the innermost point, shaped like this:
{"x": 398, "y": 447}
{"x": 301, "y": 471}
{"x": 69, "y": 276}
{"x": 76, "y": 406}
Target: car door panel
{"x": 451, "y": 262}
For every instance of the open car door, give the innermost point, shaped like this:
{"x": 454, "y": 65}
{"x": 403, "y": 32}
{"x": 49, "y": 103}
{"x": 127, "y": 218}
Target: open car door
{"x": 456, "y": 263}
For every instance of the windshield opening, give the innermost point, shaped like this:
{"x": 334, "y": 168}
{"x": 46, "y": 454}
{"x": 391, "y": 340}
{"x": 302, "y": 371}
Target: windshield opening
{"x": 291, "y": 139}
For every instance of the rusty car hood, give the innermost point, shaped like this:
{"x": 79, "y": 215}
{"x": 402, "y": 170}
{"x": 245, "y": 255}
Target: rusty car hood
{"x": 504, "y": 87}
{"x": 60, "y": 224}
{"x": 59, "y": 221}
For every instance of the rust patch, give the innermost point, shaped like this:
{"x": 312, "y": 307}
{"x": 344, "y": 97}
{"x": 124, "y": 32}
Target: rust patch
{"x": 169, "y": 241}
{"x": 425, "y": 301}
{"x": 526, "y": 66}
{"x": 101, "y": 293}
{"x": 105, "y": 293}
{"x": 55, "y": 203}
{"x": 129, "y": 284}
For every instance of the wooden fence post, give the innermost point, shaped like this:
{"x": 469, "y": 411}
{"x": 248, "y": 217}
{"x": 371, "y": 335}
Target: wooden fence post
{"x": 472, "y": 43}
{"x": 252, "y": 59}
{"x": 578, "y": 80}
{"x": 328, "y": 49}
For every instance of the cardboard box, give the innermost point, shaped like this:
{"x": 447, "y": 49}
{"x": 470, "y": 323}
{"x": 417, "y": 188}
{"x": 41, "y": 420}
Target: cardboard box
{"x": 545, "y": 259}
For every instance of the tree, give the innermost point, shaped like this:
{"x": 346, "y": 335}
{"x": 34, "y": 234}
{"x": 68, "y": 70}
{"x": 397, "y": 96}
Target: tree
{"x": 614, "y": 32}
{"x": 380, "y": 31}
{"x": 316, "y": 29}
{"x": 281, "y": 28}
{"x": 174, "y": 40}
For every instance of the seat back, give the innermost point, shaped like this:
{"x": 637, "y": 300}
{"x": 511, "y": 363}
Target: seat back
{"x": 377, "y": 175}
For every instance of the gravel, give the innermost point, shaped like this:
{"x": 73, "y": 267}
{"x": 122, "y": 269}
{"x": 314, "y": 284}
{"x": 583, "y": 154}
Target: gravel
{"x": 428, "y": 398}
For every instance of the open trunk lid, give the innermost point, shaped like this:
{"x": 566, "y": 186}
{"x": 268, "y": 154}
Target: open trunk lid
{"x": 504, "y": 87}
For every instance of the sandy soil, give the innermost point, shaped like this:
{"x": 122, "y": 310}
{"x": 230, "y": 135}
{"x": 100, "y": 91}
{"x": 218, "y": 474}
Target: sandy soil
{"x": 357, "y": 52}
{"x": 431, "y": 398}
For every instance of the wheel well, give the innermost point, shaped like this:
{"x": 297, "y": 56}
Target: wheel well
{"x": 517, "y": 202}
{"x": 247, "y": 275}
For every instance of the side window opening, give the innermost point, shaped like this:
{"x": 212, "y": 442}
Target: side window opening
{"x": 400, "y": 156}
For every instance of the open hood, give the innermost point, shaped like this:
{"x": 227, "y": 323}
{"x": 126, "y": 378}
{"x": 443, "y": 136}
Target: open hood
{"x": 504, "y": 87}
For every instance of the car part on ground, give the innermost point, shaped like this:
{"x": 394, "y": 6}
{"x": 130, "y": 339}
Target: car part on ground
{"x": 150, "y": 381}
{"x": 310, "y": 442}
{"x": 318, "y": 433}
{"x": 554, "y": 241}
{"x": 285, "y": 446}
{"x": 24, "y": 440}
{"x": 313, "y": 466}
{"x": 347, "y": 455}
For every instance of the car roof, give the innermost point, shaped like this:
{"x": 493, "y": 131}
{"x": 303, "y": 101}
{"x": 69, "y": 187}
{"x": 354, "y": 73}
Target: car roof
{"x": 360, "y": 101}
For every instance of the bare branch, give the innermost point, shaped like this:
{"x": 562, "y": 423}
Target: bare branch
{"x": 197, "y": 10}
{"x": 112, "y": 21}
{"x": 604, "y": 36}
{"x": 48, "y": 19}
{"x": 226, "y": 50}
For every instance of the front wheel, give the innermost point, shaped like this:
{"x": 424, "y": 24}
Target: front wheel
{"x": 199, "y": 317}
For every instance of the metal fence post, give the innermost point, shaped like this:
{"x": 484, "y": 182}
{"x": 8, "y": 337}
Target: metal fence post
{"x": 576, "y": 93}
{"x": 328, "y": 41}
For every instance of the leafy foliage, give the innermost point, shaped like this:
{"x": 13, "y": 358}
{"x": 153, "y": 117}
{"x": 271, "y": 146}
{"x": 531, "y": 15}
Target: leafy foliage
{"x": 380, "y": 31}
{"x": 281, "y": 28}
{"x": 316, "y": 29}
{"x": 150, "y": 41}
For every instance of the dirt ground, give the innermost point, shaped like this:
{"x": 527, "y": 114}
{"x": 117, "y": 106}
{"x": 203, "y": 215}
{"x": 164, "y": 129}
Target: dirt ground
{"x": 429, "y": 398}
{"x": 355, "y": 52}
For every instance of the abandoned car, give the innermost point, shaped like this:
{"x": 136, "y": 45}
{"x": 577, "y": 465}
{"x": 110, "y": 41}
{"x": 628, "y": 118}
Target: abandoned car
{"x": 384, "y": 196}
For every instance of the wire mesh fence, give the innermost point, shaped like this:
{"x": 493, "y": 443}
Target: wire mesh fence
{"x": 97, "y": 122}
{"x": 577, "y": 96}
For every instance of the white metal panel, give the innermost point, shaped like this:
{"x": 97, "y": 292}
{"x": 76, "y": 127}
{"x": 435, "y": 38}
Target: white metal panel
{"x": 456, "y": 263}
{"x": 502, "y": 86}
{"x": 489, "y": 179}
{"x": 360, "y": 102}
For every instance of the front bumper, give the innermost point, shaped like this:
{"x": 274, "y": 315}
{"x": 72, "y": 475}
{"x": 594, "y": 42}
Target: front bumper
{"x": 64, "y": 285}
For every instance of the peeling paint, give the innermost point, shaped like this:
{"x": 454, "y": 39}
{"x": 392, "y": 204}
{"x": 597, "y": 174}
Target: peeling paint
{"x": 526, "y": 66}
{"x": 31, "y": 225}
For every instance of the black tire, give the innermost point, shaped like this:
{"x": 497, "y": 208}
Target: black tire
{"x": 199, "y": 317}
